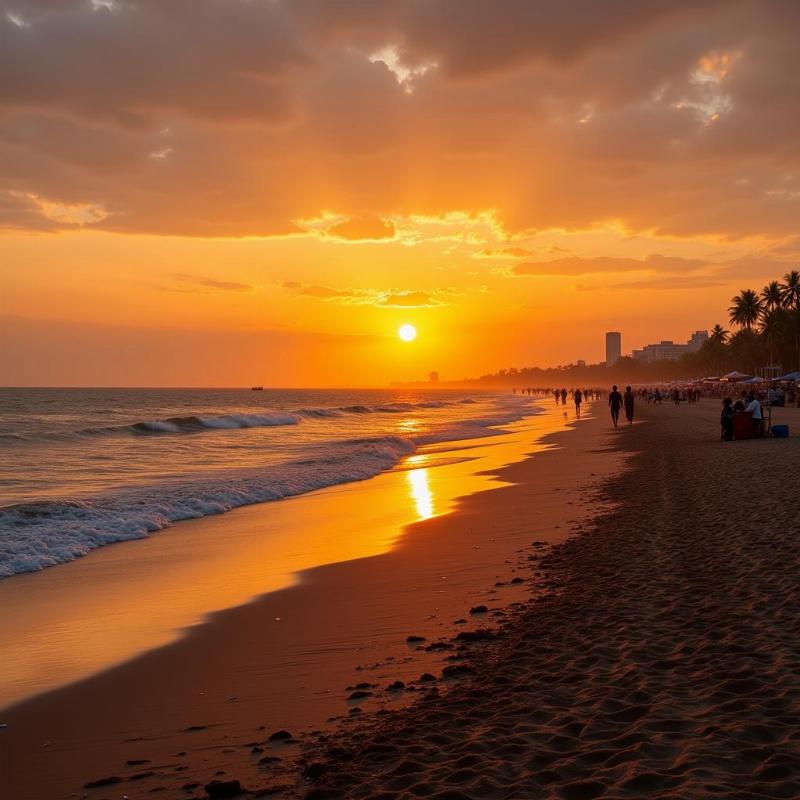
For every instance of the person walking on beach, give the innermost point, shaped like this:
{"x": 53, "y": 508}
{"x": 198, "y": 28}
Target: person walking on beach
{"x": 563, "y": 397}
{"x": 578, "y": 400}
{"x": 614, "y": 403}
{"x": 628, "y": 402}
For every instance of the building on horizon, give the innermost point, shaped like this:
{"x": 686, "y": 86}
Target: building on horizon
{"x": 667, "y": 350}
{"x": 613, "y": 347}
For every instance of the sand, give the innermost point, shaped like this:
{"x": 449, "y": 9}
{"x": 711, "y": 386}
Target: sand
{"x": 658, "y": 656}
{"x": 665, "y": 662}
{"x": 208, "y": 702}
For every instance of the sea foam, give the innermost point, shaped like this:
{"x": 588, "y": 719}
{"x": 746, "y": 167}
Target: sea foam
{"x": 44, "y": 533}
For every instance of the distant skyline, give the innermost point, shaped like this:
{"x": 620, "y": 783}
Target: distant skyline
{"x": 264, "y": 192}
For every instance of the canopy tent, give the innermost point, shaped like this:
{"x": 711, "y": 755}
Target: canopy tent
{"x": 735, "y": 377}
{"x": 791, "y": 376}
{"x": 753, "y": 381}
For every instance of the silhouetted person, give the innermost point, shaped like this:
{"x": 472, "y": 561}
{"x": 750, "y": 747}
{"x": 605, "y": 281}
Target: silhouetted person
{"x": 628, "y": 402}
{"x": 578, "y": 396}
{"x": 726, "y": 419}
{"x": 614, "y": 403}
{"x": 563, "y": 397}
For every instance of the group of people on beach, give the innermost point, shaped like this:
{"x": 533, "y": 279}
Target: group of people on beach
{"x": 747, "y": 408}
{"x": 750, "y": 405}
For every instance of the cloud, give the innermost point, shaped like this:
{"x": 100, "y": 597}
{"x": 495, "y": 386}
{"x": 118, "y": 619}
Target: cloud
{"x": 323, "y": 292}
{"x": 357, "y": 229}
{"x": 504, "y": 252}
{"x": 211, "y": 283}
{"x": 392, "y": 298}
{"x": 240, "y": 118}
{"x": 574, "y": 265}
{"x": 668, "y": 282}
{"x": 411, "y": 300}
{"x": 204, "y": 59}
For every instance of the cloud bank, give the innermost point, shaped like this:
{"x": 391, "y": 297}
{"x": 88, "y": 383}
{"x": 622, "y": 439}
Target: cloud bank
{"x": 242, "y": 118}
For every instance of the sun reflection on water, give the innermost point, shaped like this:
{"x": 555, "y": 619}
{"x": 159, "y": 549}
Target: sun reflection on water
{"x": 421, "y": 492}
{"x": 408, "y": 426}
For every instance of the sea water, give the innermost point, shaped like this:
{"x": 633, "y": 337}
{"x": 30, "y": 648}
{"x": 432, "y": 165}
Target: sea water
{"x": 83, "y": 468}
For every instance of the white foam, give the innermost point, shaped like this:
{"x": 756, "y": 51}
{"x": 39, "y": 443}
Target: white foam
{"x": 41, "y": 534}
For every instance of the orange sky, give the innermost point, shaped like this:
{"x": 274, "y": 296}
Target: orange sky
{"x": 222, "y": 192}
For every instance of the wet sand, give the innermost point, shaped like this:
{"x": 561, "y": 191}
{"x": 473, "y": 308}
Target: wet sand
{"x": 208, "y": 702}
{"x": 663, "y": 662}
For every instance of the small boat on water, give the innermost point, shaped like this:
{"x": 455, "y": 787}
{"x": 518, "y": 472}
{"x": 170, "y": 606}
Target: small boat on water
{"x": 256, "y": 388}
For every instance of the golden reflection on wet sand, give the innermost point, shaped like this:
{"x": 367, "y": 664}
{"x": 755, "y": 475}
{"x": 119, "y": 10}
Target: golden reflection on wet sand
{"x": 75, "y": 620}
{"x": 421, "y": 492}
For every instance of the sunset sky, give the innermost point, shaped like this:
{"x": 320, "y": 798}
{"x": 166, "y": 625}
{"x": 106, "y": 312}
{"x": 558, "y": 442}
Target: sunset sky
{"x": 223, "y": 192}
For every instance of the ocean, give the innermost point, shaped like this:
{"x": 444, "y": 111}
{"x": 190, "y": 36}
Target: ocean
{"x": 84, "y": 468}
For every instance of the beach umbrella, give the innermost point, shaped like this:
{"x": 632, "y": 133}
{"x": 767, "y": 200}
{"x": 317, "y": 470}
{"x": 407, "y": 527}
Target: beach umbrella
{"x": 735, "y": 376}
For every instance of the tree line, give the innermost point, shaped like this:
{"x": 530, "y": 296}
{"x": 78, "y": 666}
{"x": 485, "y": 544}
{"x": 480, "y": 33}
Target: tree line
{"x": 767, "y": 331}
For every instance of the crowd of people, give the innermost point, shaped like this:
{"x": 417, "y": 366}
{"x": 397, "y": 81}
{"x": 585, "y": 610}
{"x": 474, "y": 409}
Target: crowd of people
{"x": 742, "y": 416}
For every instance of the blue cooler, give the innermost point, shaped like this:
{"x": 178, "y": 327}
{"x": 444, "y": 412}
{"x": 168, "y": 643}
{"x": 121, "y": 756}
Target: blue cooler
{"x": 780, "y": 431}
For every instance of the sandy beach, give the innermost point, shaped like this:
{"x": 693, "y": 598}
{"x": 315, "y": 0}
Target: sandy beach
{"x": 642, "y": 641}
{"x": 664, "y": 662}
{"x": 408, "y": 553}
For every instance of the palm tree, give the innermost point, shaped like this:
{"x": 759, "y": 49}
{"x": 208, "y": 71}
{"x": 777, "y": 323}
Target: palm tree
{"x": 790, "y": 295}
{"x": 746, "y": 309}
{"x": 715, "y": 349}
{"x": 719, "y": 334}
{"x": 772, "y": 323}
{"x": 772, "y": 295}
{"x": 790, "y": 290}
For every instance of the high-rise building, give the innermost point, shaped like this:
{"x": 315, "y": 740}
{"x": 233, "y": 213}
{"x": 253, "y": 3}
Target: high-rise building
{"x": 613, "y": 347}
{"x": 699, "y": 338}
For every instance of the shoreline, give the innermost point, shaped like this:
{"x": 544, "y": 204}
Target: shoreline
{"x": 663, "y": 662}
{"x": 184, "y": 686}
{"x": 124, "y": 600}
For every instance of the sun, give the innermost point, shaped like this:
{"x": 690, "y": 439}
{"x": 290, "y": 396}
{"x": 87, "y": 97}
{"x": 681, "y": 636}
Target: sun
{"x": 407, "y": 333}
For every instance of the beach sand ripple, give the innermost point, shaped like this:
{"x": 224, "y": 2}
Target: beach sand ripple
{"x": 664, "y": 661}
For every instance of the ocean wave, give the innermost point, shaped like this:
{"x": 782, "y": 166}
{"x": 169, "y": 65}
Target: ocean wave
{"x": 44, "y": 533}
{"x": 193, "y": 424}
{"x": 198, "y": 424}
{"x": 188, "y": 424}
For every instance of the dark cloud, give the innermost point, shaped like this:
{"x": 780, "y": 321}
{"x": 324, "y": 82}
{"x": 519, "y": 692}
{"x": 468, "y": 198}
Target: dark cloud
{"x": 136, "y": 61}
{"x": 212, "y": 118}
{"x": 468, "y": 38}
